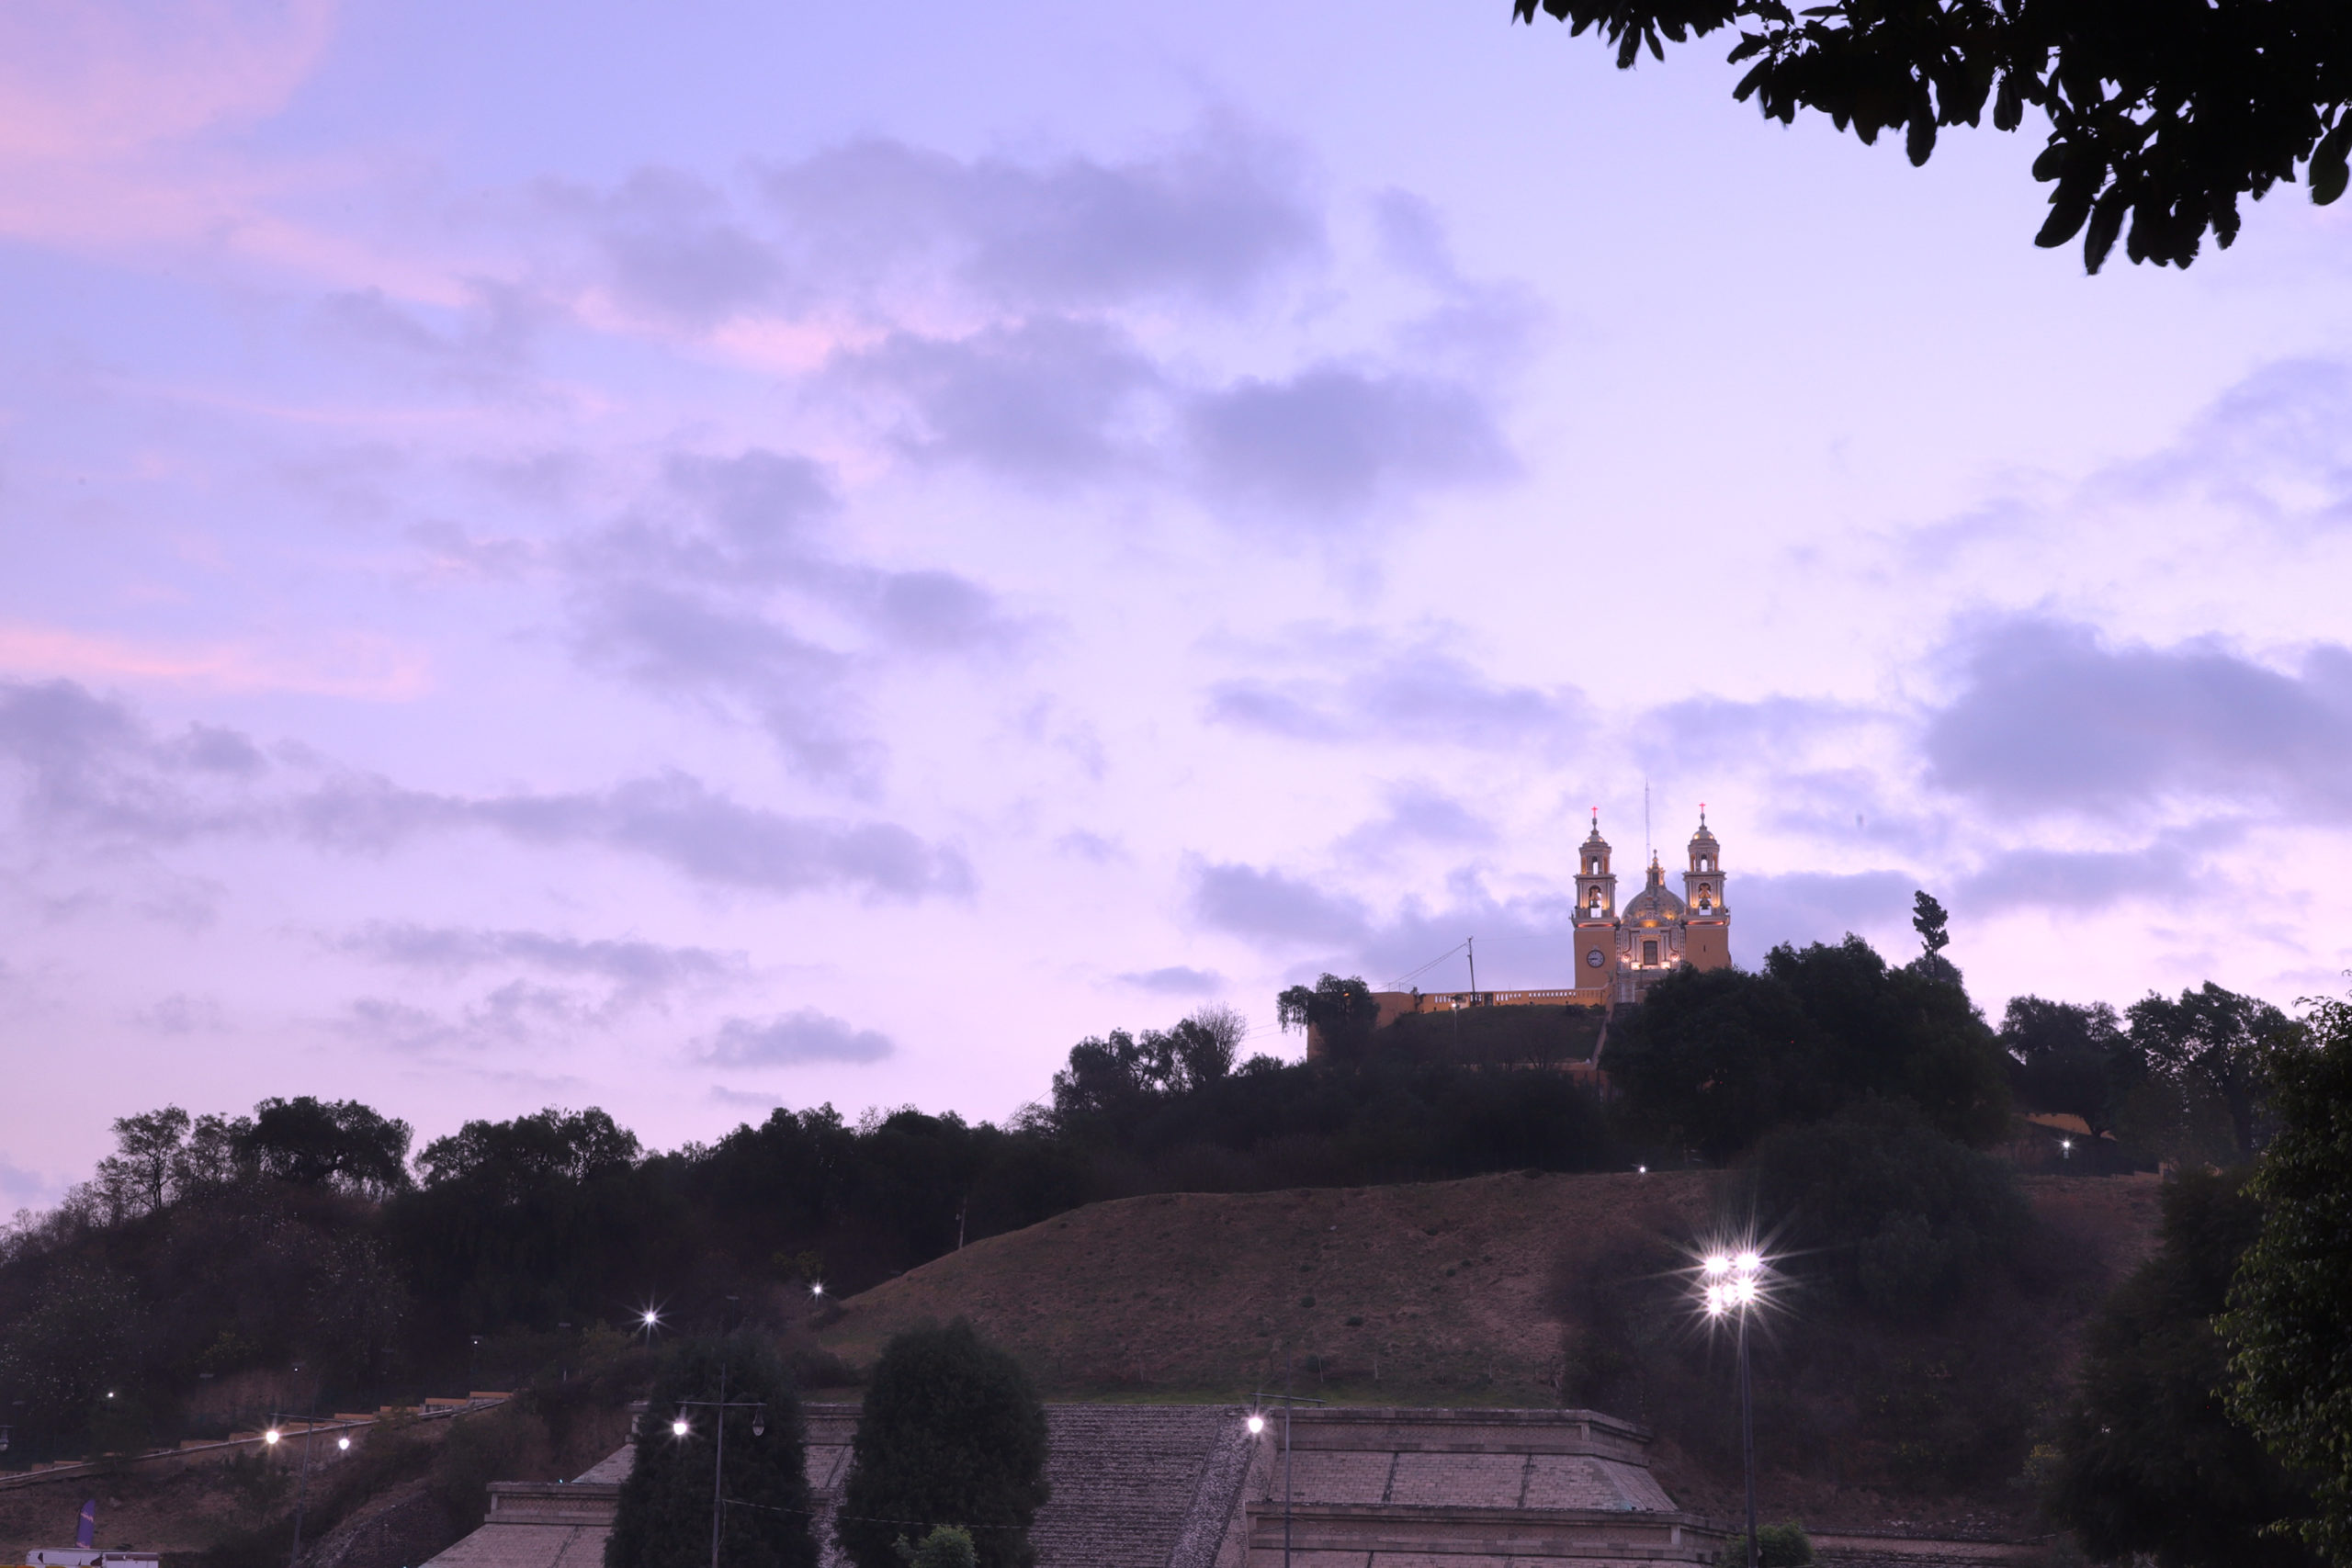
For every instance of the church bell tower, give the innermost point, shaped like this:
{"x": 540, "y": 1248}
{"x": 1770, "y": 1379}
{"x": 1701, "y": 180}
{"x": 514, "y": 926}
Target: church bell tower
{"x": 1596, "y": 940}
{"x": 1707, "y": 920}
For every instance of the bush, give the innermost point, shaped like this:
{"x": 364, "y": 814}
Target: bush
{"x": 2147, "y": 1459}
{"x": 1777, "y": 1546}
{"x": 1899, "y": 1217}
{"x": 951, "y": 1434}
{"x": 946, "y": 1547}
{"x": 664, "y": 1517}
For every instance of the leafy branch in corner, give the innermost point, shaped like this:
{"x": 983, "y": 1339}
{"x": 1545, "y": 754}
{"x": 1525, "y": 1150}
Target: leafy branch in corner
{"x": 2162, "y": 113}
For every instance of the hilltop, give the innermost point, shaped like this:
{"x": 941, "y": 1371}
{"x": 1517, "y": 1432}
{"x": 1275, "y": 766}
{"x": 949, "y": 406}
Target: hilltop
{"x": 1468, "y": 1291}
{"x": 1431, "y": 1291}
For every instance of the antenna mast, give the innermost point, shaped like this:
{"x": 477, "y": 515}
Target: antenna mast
{"x": 1648, "y": 849}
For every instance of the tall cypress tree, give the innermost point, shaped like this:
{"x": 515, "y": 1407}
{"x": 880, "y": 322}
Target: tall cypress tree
{"x": 951, "y": 1434}
{"x": 665, "y": 1505}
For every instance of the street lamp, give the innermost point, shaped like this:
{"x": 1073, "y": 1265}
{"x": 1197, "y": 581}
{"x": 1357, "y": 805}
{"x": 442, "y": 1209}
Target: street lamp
{"x": 1734, "y": 1282}
{"x": 679, "y": 1428}
{"x": 1257, "y": 1425}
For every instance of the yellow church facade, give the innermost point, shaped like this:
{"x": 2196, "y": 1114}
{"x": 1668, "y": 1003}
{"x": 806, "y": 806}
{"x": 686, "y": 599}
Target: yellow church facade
{"x": 1619, "y": 954}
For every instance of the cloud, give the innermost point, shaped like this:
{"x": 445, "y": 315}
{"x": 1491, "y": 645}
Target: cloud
{"x": 95, "y": 77}
{"x": 1778, "y": 733}
{"x": 343, "y": 666}
{"x": 1045, "y": 401}
{"x": 1249, "y": 902}
{"x": 481, "y": 345}
{"x": 708, "y": 589}
{"x": 2272, "y": 448}
{"x": 793, "y": 1039}
{"x": 1521, "y": 941}
{"x": 1421, "y": 813}
{"x": 637, "y": 969}
{"x": 2049, "y": 717}
{"x": 23, "y": 1188}
{"x": 744, "y": 1099}
{"x": 1176, "y": 980}
{"x": 1421, "y": 691}
{"x": 181, "y": 1014}
{"x": 1335, "y": 442}
{"x": 1768, "y": 908}
{"x": 2171, "y": 867}
{"x": 673, "y": 818}
{"x": 518, "y": 1014}
{"x": 1209, "y": 221}
{"x": 673, "y": 248}
{"x": 93, "y": 769}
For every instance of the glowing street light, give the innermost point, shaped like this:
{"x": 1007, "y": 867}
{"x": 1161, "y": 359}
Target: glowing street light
{"x": 344, "y": 1444}
{"x": 721, "y": 1405}
{"x": 270, "y": 1436}
{"x": 1732, "y": 1285}
{"x": 1257, "y": 1423}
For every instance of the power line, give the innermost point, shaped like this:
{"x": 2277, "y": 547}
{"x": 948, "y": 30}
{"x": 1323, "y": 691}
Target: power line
{"x": 1398, "y": 983}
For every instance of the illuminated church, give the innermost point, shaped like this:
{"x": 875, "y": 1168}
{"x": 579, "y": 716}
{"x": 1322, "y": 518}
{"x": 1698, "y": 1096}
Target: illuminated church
{"x": 1618, "y": 955}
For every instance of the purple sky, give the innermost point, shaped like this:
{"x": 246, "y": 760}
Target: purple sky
{"x": 697, "y": 557}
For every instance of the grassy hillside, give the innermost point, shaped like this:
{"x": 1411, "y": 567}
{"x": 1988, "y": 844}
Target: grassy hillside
{"x": 1468, "y": 1293}
{"x": 1203, "y": 1295}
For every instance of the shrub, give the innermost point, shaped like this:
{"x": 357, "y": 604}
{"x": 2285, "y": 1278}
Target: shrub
{"x": 2148, "y": 1459}
{"x": 1900, "y": 1217}
{"x": 946, "y": 1547}
{"x": 951, "y": 1434}
{"x": 1777, "y": 1546}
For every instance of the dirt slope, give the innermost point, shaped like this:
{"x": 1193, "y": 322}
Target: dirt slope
{"x": 1447, "y": 1293}
{"x": 1203, "y": 1295}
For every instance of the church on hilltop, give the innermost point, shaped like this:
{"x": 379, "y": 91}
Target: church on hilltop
{"x": 1616, "y": 954}
{"x": 1623, "y": 955}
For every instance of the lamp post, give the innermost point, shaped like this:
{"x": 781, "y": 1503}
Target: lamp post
{"x": 679, "y": 1428}
{"x": 302, "y": 1493}
{"x": 1257, "y": 1424}
{"x": 1733, "y": 1281}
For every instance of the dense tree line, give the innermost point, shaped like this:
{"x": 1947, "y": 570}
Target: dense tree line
{"x": 1855, "y": 1095}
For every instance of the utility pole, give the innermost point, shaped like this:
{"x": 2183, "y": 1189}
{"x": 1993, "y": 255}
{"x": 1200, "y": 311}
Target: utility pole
{"x": 1469, "y": 945}
{"x": 1746, "y": 1440}
{"x": 718, "y": 1467}
{"x": 302, "y": 1490}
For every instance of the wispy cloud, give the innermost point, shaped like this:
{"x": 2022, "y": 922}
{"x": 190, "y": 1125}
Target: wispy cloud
{"x": 793, "y": 1039}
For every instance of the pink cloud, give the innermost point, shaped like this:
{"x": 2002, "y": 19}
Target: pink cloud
{"x": 349, "y": 666}
{"x": 80, "y": 78}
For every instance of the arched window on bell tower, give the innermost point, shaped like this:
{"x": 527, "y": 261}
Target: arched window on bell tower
{"x": 1596, "y": 885}
{"x": 1702, "y": 885}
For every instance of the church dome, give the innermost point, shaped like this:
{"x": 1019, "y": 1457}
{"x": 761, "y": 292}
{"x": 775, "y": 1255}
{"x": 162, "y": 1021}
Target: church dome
{"x": 1653, "y": 902}
{"x": 1703, "y": 838}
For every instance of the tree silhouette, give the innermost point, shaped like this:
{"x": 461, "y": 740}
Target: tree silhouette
{"x": 2161, "y": 112}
